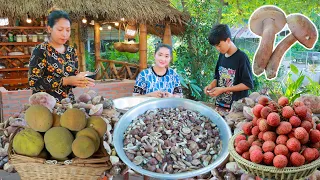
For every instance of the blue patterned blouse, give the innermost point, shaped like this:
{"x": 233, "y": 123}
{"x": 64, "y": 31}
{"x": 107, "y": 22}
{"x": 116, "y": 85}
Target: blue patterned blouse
{"x": 149, "y": 81}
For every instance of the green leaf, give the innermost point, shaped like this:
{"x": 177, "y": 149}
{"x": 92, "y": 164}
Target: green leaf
{"x": 294, "y": 69}
{"x": 194, "y": 86}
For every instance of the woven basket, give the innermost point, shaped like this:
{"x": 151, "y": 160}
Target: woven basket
{"x": 118, "y": 46}
{"x": 75, "y": 169}
{"x": 126, "y": 47}
{"x": 270, "y": 172}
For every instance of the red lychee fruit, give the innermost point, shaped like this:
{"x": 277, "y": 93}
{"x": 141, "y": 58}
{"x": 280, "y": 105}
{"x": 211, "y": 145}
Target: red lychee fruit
{"x": 282, "y": 139}
{"x": 254, "y": 120}
{"x": 269, "y": 136}
{"x": 239, "y": 138}
{"x": 263, "y": 125}
{"x": 260, "y": 135}
{"x": 295, "y": 121}
{"x": 268, "y": 146}
{"x": 291, "y": 134}
{"x": 243, "y": 146}
{"x": 256, "y": 156}
{"x": 297, "y": 159}
{"x": 318, "y": 127}
{"x": 287, "y": 112}
{"x": 316, "y": 152}
{"x": 247, "y": 127}
{"x": 307, "y": 125}
{"x": 265, "y": 111}
{"x": 298, "y": 103}
{"x": 255, "y": 130}
{"x": 254, "y": 147}
{"x": 283, "y": 101}
{"x": 257, "y": 142}
{"x": 274, "y": 106}
{"x": 281, "y": 149}
{"x": 308, "y": 117}
{"x": 314, "y": 136}
{"x": 252, "y": 138}
{"x": 257, "y": 110}
{"x": 301, "y": 111}
{"x": 284, "y": 128}
{"x": 309, "y": 154}
{"x": 300, "y": 133}
{"x": 305, "y": 140}
{"x": 268, "y": 158}
{"x": 280, "y": 161}
{"x": 263, "y": 100}
{"x": 273, "y": 119}
{"x": 246, "y": 155}
{"x": 294, "y": 145}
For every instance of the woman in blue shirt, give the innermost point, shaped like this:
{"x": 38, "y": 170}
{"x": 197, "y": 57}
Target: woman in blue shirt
{"x": 159, "y": 80}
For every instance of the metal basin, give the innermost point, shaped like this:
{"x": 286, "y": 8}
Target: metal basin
{"x": 125, "y": 103}
{"x": 126, "y": 119}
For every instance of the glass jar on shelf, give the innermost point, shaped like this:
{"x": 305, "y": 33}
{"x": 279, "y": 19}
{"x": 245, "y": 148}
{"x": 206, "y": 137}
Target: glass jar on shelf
{"x": 30, "y": 36}
{"x": 40, "y": 37}
{"x": 34, "y": 38}
{"x": 24, "y": 38}
{"x": 19, "y": 38}
{"x": 10, "y": 35}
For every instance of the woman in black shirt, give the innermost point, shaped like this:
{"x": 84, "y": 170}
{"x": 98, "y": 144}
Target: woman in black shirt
{"x": 53, "y": 66}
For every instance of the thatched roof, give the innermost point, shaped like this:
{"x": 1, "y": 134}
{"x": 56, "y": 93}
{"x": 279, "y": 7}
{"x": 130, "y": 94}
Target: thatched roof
{"x": 150, "y": 11}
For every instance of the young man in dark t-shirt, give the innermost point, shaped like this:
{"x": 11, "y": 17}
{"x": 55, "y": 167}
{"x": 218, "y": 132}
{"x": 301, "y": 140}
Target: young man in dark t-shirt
{"x": 233, "y": 75}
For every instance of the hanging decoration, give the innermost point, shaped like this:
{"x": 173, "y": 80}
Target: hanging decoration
{"x": 129, "y": 45}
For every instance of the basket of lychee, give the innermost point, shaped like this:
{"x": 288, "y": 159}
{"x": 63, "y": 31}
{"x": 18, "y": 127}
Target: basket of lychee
{"x": 281, "y": 142}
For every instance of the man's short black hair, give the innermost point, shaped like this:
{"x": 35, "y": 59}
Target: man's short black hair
{"x": 220, "y": 32}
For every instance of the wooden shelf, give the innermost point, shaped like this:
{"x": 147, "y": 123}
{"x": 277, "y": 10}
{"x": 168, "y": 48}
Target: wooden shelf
{"x": 24, "y": 27}
{"x": 19, "y": 43}
{"x": 14, "y": 69}
{"x": 15, "y": 57}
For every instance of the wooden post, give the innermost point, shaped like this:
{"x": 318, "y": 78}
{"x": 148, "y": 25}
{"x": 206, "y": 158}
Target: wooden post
{"x": 81, "y": 52}
{"x": 97, "y": 46}
{"x": 76, "y": 42}
{"x": 167, "y": 35}
{"x": 143, "y": 47}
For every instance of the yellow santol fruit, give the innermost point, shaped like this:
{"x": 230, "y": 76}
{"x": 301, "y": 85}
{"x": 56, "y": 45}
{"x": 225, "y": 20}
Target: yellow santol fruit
{"x": 73, "y": 119}
{"x": 59, "y": 159}
{"x": 58, "y": 141}
{"x": 28, "y": 142}
{"x": 56, "y": 120}
{"x": 92, "y": 134}
{"x": 98, "y": 124}
{"x": 39, "y": 118}
{"x": 83, "y": 147}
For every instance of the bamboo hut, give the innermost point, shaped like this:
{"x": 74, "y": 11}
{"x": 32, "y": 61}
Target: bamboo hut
{"x": 151, "y": 16}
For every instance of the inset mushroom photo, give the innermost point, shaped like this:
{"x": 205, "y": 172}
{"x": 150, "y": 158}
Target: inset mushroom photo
{"x": 266, "y": 22}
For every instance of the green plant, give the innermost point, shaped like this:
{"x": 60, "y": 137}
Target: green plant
{"x": 90, "y": 62}
{"x": 191, "y": 85}
{"x": 291, "y": 88}
{"x": 313, "y": 87}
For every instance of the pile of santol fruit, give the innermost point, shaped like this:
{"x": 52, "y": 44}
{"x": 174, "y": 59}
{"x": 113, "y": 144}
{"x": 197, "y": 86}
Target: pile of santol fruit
{"x": 93, "y": 115}
{"x": 70, "y": 132}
